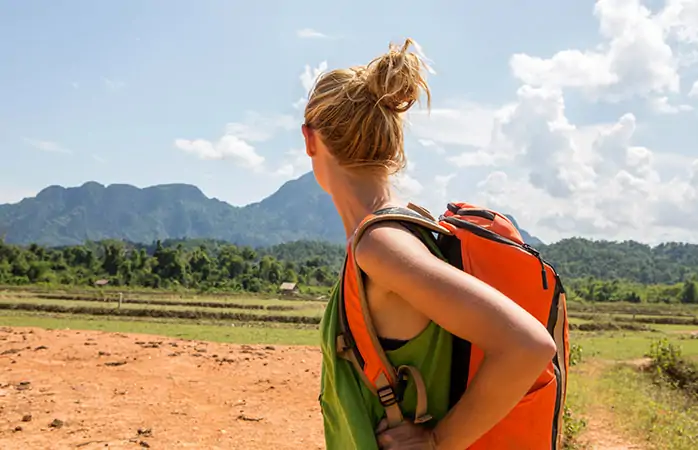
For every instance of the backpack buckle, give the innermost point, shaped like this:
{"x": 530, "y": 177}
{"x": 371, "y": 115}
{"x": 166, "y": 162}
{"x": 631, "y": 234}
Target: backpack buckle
{"x": 387, "y": 396}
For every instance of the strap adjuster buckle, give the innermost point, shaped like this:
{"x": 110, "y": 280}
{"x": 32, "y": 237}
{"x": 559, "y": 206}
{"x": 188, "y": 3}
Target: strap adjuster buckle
{"x": 387, "y": 396}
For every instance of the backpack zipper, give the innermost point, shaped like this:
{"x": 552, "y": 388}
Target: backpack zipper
{"x": 487, "y": 234}
{"x": 536, "y": 253}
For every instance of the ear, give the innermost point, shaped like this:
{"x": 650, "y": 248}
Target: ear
{"x": 309, "y": 138}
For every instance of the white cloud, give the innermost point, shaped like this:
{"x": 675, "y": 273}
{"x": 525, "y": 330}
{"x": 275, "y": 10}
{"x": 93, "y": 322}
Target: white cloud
{"x": 563, "y": 183}
{"x": 467, "y": 124}
{"x": 634, "y": 58}
{"x": 309, "y": 33}
{"x": 75, "y": 85}
{"x": 679, "y": 19}
{"x": 259, "y": 128}
{"x": 285, "y": 171}
{"x": 559, "y": 179}
{"x": 433, "y": 146}
{"x": 597, "y": 180}
{"x": 308, "y": 78}
{"x": 47, "y": 146}
{"x": 441, "y": 183}
{"x": 296, "y": 163}
{"x": 407, "y": 185}
{"x": 694, "y": 90}
{"x": 228, "y": 146}
{"x": 662, "y": 106}
{"x": 475, "y": 158}
{"x": 236, "y": 144}
{"x": 559, "y": 176}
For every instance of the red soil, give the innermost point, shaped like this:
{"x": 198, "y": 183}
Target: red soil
{"x": 136, "y": 391}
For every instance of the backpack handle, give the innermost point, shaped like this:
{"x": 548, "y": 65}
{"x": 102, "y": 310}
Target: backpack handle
{"x": 421, "y": 211}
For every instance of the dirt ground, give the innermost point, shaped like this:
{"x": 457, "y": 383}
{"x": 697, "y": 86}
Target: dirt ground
{"x": 82, "y": 389}
{"x": 600, "y": 432}
{"x": 64, "y": 389}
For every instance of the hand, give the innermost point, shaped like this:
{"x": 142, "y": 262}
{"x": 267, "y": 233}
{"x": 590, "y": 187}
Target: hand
{"x": 407, "y": 436}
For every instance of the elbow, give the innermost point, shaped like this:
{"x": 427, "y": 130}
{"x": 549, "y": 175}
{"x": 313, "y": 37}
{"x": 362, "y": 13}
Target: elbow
{"x": 541, "y": 348}
{"x": 533, "y": 347}
{"x": 547, "y": 347}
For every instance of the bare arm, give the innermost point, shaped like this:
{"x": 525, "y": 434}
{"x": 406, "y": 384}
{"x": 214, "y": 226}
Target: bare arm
{"x": 516, "y": 346}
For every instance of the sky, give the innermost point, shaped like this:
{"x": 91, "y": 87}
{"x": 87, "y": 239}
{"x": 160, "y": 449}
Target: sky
{"x": 579, "y": 118}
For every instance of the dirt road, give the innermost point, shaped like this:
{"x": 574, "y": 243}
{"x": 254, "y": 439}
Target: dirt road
{"x": 88, "y": 390}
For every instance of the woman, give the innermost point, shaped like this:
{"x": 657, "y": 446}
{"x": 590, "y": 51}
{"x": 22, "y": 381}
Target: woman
{"x": 353, "y": 134}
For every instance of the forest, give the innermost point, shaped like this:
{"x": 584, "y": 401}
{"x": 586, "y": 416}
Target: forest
{"x": 595, "y": 271}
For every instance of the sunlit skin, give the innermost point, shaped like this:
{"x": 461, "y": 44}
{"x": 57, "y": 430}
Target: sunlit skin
{"x": 408, "y": 287}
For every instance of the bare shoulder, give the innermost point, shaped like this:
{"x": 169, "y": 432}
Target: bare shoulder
{"x": 388, "y": 241}
{"x": 389, "y": 253}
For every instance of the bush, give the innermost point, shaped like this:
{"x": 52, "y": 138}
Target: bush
{"x": 573, "y": 426}
{"x": 669, "y": 365}
{"x": 576, "y": 354}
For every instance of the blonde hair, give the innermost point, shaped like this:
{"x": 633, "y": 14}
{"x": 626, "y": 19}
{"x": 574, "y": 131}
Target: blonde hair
{"x": 358, "y": 111}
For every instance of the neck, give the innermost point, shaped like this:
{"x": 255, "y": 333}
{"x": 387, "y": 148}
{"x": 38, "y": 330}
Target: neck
{"x": 356, "y": 196}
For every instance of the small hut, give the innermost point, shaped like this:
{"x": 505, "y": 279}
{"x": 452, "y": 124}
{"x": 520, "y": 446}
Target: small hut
{"x": 288, "y": 288}
{"x": 99, "y": 284}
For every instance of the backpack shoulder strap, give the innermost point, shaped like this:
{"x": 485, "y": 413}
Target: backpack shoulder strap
{"x": 413, "y": 218}
{"x": 358, "y": 341}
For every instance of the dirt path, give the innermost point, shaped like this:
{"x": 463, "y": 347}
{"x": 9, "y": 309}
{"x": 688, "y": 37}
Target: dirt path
{"x": 601, "y": 432}
{"x": 88, "y": 390}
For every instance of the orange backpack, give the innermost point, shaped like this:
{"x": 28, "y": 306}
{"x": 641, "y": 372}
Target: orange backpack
{"x": 488, "y": 246}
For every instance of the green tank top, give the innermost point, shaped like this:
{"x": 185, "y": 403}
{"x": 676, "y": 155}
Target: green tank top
{"x": 350, "y": 411}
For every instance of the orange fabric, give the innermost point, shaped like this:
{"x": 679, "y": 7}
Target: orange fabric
{"x": 529, "y": 426}
{"x": 501, "y": 225}
{"x": 373, "y": 366}
{"x": 517, "y": 274}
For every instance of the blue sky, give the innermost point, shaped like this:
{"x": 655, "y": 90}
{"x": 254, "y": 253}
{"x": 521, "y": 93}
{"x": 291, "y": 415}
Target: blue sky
{"x": 579, "y": 118}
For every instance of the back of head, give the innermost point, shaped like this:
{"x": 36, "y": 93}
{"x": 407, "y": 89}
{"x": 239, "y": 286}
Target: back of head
{"x": 358, "y": 111}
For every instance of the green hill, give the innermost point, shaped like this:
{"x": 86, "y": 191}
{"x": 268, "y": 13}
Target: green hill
{"x": 59, "y": 216}
{"x": 92, "y": 212}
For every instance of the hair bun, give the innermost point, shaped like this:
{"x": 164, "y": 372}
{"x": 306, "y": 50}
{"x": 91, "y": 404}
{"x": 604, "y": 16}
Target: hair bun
{"x": 396, "y": 77}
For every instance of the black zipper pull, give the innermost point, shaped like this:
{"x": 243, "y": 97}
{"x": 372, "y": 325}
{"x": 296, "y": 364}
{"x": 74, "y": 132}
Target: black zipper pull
{"x": 543, "y": 273}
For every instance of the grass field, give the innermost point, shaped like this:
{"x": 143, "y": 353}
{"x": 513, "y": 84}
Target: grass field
{"x": 615, "y": 402}
{"x": 611, "y": 400}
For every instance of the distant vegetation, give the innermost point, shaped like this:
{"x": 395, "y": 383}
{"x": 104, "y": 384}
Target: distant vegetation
{"x": 202, "y": 265}
{"x": 593, "y": 271}
{"x": 629, "y": 260}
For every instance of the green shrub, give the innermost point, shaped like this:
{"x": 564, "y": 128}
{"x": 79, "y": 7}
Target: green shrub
{"x": 572, "y": 425}
{"x": 576, "y": 354}
{"x": 669, "y": 365}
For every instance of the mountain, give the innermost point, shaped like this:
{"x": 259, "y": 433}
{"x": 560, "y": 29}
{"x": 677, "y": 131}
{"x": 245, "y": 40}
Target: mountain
{"x": 58, "y": 216}
{"x": 530, "y": 240}
{"x": 68, "y": 216}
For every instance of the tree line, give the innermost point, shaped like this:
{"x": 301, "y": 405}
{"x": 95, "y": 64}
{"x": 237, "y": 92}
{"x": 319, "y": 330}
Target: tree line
{"x": 594, "y": 271}
{"x": 666, "y": 263}
{"x": 595, "y": 290}
{"x": 199, "y": 265}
